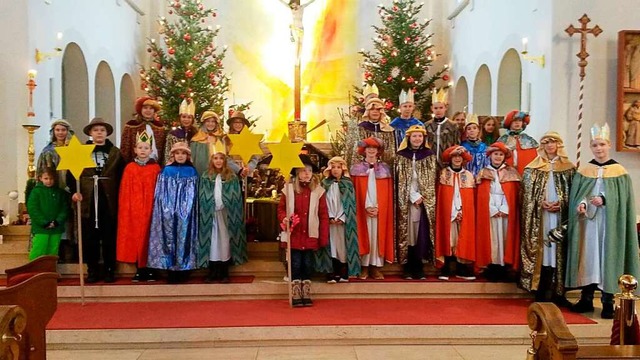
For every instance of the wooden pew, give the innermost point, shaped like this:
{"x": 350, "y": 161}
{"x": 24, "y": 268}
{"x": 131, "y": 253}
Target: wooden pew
{"x": 34, "y": 289}
{"x": 554, "y": 341}
{"x": 13, "y": 321}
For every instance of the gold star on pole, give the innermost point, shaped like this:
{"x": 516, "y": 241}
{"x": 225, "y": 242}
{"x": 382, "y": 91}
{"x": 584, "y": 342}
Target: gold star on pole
{"x": 75, "y": 157}
{"x": 245, "y": 144}
{"x": 285, "y": 156}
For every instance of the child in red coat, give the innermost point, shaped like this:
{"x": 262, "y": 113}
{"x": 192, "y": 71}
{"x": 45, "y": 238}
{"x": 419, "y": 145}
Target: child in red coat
{"x": 303, "y": 204}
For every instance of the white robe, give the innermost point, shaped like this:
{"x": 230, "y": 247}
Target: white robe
{"x": 550, "y": 220}
{"x": 497, "y": 202}
{"x": 373, "y": 257}
{"x": 220, "y": 249}
{"x": 590, "y": 268}
{"x": 336, "y": 231}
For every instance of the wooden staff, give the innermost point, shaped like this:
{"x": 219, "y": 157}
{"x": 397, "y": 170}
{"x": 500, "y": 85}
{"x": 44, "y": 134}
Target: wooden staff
{"x": 80, "y": 256}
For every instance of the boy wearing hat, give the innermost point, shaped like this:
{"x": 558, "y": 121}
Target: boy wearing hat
{"x": 523, "y": 147}
{"x": 456, "y": 216}
{"x": 99, "y": 187}
{"x": 146, "y": 120}
{"x": 185, "y": 131}
{"x": 376, "y": 123}
{"x": 498, "y": 215}
{"x": 441, "y": 132}
{"x": 237, "y": 122}
{"x": 343, "y": 231}
{"x": 416, "y": 202}
{"x": 474, "y": 145}
{"x": 603, "y": 240}
{"x": 373, "y": 183}
{"x": 304, "y": 205}
{"x": 545, "y": 189}
{"x": 406, "y": 120}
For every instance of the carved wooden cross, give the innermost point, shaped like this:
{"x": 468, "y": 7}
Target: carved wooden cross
{"x": 583, "y": 30}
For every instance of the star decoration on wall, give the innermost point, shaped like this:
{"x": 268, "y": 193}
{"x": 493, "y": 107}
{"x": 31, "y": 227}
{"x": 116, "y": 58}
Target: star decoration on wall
{"x": 75, "y": 157}
{"x": 245, "y": 144}
{"x": 285, "y": 156}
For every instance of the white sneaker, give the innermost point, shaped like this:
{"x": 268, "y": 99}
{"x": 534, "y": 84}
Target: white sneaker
{"x": 443, "y": 277}
{"x": 343, "y": 280}
{"x": 466, "y": 277}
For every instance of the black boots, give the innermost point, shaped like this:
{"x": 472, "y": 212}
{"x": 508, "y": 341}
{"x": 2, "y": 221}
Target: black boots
{"x": 339, "y": 274}
{"x": 218, "y": 272}
{"x": 607, "y": 311}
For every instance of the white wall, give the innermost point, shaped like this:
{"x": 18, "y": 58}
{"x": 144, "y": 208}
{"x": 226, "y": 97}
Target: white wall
{"x": 486, "y": 29}
{"x": 114, "y": 36}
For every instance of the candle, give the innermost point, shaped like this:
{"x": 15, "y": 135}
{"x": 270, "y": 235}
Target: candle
{"x": 32, "y": 74}
{"x": 525, "y": 41}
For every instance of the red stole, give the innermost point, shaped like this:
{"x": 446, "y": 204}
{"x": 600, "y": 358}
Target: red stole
{"x": 385, "y": 216}
{"x": 511, "y": 186}
{"x": 466, "y": 248}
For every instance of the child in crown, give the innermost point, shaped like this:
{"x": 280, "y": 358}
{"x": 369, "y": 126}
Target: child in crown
{"x": 405, "y": 120}
{"x": 441, "y": 132}
{"x": 135, "y": 201}
{"x": 222, "y": 239}
{"x": 602, "y": 239}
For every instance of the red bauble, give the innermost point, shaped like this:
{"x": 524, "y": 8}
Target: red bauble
{"x": 395, "y": 8}
{"x": 410, "y": 80}
{"x": 445, "y": 77}
{"x": 187, "y": 37}
{"x": 388, "y": 105}
{"x": 158, "y": 66}
{"x": 170, "y": 12}
{"x": 383, "y": 61}
{"x": 214, "y": 82}
{"x": 214, "y": 14}
{"x": 188, "y": 74}
{"x": 428, "y": 52}
{"x": 200, "y": 7}
{"x": 389, "y": 18}
{"x": 407, "y": 39}
{"x": 171, "y": 51}
{"x": 389, "y": 79}
{"x": 148, "y": 50}
{"x": 177, "y": 5}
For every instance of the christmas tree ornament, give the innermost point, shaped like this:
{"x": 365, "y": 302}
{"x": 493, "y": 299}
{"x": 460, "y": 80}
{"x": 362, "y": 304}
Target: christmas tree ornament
{"x": 187, "y": 37}
{"x": 171, "y": 51}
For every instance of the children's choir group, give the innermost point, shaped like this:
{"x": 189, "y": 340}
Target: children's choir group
{"x": 451, "y": 193}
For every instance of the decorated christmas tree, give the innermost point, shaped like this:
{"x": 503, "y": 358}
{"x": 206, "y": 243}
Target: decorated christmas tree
{"x": 402, "y": 57}
{"x": 186, "y": 62}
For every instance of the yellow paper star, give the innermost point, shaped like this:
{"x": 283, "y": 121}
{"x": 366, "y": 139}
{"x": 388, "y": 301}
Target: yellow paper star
{"x": 75, "y": 157}
{"x": 285, "y": 156}
{"x": 245, "y": 144}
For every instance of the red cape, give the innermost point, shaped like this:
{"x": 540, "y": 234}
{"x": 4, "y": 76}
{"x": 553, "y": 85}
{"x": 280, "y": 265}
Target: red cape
{"x": 135, "y": 206}
{"x": 512, "y": 242}
{"x": 385, "y": 216}
{"x": 525, "y": 156}
{"x": 466, "y": 237}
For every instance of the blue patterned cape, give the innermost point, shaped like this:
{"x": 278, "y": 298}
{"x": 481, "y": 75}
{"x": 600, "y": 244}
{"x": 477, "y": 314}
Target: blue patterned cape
{"x": 173, "y": 240}
{"x": 478, "y": 151}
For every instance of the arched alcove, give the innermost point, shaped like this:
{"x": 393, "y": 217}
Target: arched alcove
{"x": 509, "y": 82}
{"x": 75, "y": 88}
{"x": 461, "y": 95}
{"x": 105, "y": 95}
{"x": 127, "y": 99}
{"x": 482, "y": 91}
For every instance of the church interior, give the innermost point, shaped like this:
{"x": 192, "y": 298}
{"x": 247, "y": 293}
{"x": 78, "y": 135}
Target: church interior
{"x": 568, "y": 64}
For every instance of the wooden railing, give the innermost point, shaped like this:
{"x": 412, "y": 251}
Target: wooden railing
{"x": 13, "y": 322}
{"x": 552, "y": 339}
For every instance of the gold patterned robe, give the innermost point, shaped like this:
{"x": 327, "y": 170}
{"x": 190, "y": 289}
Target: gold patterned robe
{"x": 426, "y": 170}
{"x": 534, "y": 184}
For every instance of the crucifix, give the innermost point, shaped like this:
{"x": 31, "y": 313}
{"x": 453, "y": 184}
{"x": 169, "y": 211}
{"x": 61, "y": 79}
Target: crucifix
{"x": 297, "y": 34}
{"x": 582, "y": 55}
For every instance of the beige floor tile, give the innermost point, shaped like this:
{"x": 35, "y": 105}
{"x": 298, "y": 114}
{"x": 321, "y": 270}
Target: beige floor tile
{"x": 240, "y": 353}
{"x": 407, "y": 352}
{"x": 491, "y": 352}
{"x": 307, "y": 353}
{"x": 93, "y": 354}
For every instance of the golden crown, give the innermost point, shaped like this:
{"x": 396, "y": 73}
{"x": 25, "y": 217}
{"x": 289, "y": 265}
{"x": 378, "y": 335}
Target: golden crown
{"x": 217, "y": 147}
{"x": 370, "y": 90}
{"x": 187, "y": 107}
{"x": 439, "y": 96}
{"x": 144, "y": 137}
{"x": 600, "y": 132}
{"x": 472, "y": 119}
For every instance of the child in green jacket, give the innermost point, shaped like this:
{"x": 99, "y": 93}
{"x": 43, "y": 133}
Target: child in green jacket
{"x": 48, "y": 208}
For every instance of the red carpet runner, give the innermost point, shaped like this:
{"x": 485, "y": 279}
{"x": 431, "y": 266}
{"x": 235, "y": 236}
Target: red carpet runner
{"x": 245, "y": 313}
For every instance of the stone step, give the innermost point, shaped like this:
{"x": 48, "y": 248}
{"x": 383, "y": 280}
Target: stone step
{"x": 8, "y": 261}
{"x": 276, "y": 288}
{"x": 15, "y": 230}
{"x": 312, "y": 336}
{"x": 14, "y": 247}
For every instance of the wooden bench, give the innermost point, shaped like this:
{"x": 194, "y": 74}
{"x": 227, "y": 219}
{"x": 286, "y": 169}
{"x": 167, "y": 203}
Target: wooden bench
{"x": 33, "y": 287}
{"x": 13, "y": 322}
{"x": 554, "y": 341}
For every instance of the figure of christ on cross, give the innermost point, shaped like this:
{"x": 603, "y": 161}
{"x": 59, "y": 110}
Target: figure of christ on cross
{"x": 297, "y": 35}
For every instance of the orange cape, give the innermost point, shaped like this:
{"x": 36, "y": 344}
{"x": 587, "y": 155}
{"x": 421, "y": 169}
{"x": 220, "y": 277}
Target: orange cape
{"x": 385, "y": 216}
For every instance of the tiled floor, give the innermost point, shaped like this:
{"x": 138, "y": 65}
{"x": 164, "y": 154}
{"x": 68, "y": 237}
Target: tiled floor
{"x": 361, "y": 352}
